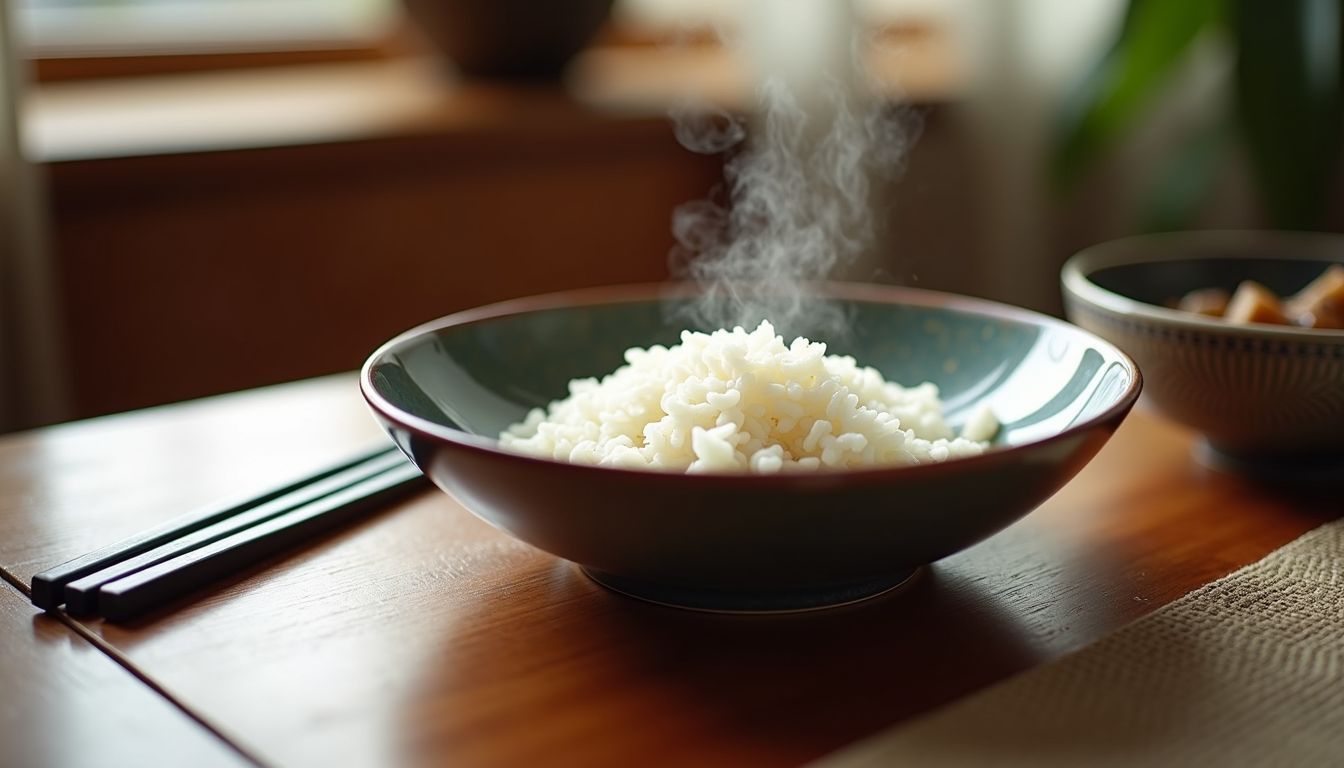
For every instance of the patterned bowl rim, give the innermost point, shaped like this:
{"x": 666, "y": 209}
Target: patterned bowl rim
{"x": 1233, "y": 244}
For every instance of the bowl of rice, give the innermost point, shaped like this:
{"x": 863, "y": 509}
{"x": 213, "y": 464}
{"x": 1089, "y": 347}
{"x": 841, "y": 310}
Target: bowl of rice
{"x": 749, "y": 469}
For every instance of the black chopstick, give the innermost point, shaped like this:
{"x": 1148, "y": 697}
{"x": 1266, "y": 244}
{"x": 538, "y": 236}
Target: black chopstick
{"x": 144, "y": 590}
{"x": 81, "y": 595}
{"x": 48, "y": 587}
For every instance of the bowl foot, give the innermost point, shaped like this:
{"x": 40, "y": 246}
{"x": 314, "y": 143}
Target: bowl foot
{"x": 727, "y": 601}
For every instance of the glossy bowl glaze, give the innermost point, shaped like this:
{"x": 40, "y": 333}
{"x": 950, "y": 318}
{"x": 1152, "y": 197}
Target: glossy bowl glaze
{"x": 1262, "y": 395}
{"x": 445, "y": 390}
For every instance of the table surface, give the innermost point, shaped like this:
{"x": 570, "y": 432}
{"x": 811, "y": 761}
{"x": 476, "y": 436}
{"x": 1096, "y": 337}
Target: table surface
{"x": 421, "y": 635}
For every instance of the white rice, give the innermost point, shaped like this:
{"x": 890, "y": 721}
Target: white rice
{"x": 732, "y": 401}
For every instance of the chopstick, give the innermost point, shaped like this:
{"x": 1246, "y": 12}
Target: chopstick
{"x": 48, "y": 587}
{"x": 132, "y": 595}
{"x": 81, "y": 595}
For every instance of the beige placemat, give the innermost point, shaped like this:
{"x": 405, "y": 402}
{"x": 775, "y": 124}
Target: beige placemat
{"x": 1248, "y": 670}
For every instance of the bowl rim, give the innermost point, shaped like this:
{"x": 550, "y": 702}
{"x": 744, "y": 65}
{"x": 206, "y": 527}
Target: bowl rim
{"x": 871, "y": 292}
{"x": 1075, "y": 276}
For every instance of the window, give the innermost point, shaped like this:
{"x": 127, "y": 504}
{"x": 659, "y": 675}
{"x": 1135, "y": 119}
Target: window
{"x": 98, "y": 38}
{"x": 72, "y": 27}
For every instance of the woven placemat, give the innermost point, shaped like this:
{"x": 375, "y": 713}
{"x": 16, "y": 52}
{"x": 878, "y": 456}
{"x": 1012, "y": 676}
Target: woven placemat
{"x": 1248, "y": 670}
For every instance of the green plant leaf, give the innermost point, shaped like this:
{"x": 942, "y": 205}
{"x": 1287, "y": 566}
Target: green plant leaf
{"x": 1290, "y": 102}
{"x": 1182, "y": 184}
{"x": 1153, "y": 39}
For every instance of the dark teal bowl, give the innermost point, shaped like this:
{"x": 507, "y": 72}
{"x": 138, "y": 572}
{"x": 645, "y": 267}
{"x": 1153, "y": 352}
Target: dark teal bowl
{"x": 445, "y": 390}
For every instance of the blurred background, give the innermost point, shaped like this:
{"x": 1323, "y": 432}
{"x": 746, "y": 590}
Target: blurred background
{"x": 201, "y": 196}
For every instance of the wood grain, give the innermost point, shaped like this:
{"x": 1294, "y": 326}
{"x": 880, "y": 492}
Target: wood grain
{"x": 304, "y": 259}
{"x": 305, "y": 214}
{"x": 71, "y": 489}
{"x": 423, "y": 637}
{"x": 62, "y": 68}
{"x": 66, "y": 704}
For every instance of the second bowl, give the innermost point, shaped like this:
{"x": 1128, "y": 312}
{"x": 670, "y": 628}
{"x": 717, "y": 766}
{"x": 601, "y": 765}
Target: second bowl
{"x": 1261, "y": 395}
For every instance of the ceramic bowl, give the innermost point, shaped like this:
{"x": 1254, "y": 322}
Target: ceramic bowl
{"x": 1261, "y": 395}
{"x": 509, "y": 39}
{"x": 445, "y": 390}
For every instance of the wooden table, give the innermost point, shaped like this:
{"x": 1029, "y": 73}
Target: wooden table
{"x": 423, "y": 636}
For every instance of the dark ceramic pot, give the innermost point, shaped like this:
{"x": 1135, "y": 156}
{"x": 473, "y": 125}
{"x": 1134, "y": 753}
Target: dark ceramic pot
{"x": 509, "y": 38}
{"x": 445, "y": 390}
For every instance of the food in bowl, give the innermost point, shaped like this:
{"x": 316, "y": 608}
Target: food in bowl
{"x": 731, "y": 401}
{"x": 742, "y": 540}
{"x": 1265, "y": 398}
{"x": 1319, "y": 305}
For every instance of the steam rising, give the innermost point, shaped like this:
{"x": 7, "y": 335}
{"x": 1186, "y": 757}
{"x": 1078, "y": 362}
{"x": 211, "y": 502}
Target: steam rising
{"x": 799, "y": 196}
